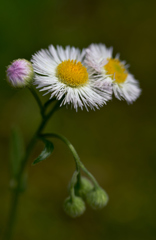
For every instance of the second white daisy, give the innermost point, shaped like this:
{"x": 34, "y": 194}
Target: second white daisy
{"x": 111, "y": 70}
{"x": 62, "y": 73}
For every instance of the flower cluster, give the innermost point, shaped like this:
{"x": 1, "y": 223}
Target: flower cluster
{"x": 86, "y": 78}
{"x": 82, "y": 79}
{"x": 81, "y": 190}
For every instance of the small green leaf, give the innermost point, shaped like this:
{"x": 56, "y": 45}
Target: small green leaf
{"x": 16, "y": 151}
{"x": 48, "y": 149}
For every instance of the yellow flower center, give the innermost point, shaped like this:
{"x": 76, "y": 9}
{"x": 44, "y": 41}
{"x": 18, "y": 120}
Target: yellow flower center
{"x": 72, "y": 73}
{"x": 116, "y": 69}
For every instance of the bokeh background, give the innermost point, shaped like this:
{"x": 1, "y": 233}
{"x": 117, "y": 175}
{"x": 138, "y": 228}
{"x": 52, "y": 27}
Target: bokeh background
{"x": 117, "y": 143}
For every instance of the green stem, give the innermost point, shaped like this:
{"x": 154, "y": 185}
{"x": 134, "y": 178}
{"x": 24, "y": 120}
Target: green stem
{"x": 79, "y": 164}
{"x": 89, "y": 175}
{"x": 16, "y": 192}
{"x": 72, "y": 184}
{"x": 69, "y": 145}
{"x": 49, "y": 102}
{"x": 37, "y": 100}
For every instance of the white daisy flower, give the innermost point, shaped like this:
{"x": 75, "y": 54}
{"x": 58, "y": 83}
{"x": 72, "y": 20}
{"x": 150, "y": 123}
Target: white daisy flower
{"x": 111, "y": 70}
{"x": 62, "y": 73}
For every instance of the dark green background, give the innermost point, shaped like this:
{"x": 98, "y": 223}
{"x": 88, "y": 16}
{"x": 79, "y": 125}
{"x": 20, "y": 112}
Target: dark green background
{"x": 117, "y": 143}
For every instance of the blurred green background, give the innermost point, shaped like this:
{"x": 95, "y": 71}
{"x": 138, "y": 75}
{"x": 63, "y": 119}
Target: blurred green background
{"x": 117, "y": 143}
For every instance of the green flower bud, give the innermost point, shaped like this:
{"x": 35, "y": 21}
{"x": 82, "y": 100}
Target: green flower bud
{"x": 83, "y": 187}
{"x": 97, "y": 198}
{"x": 74, "y": 207}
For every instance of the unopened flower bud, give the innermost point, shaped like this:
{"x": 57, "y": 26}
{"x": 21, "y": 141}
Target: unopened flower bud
{"x": 74, "y": 207}
{"x": 20, "y": 73}
{"x": 97, "y": 198}
{"x": 83, "y": 187}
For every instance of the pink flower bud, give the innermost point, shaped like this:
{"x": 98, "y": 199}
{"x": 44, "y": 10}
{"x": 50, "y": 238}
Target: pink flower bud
{"x": 20, "y": 73}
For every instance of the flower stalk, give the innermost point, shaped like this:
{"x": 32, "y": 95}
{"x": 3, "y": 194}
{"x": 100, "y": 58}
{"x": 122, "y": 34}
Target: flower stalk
{"x": 82, "y": 79}
{"x": 16, "y": 192}
{"x": 79, "y": 164}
